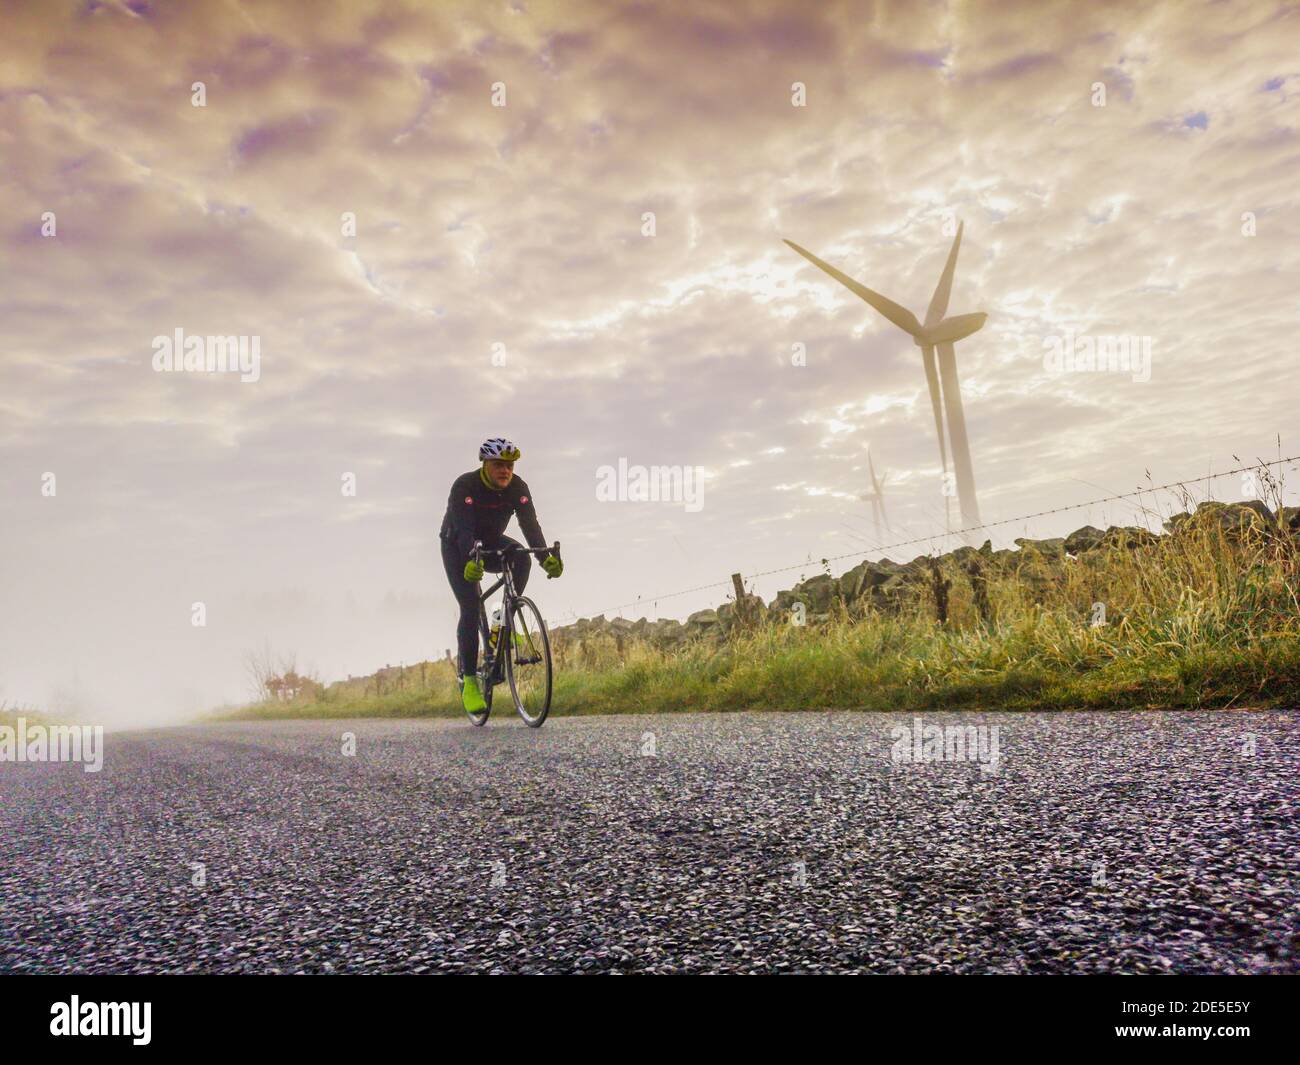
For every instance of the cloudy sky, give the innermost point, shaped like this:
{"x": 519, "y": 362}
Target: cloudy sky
{"x": 503, "y": 280}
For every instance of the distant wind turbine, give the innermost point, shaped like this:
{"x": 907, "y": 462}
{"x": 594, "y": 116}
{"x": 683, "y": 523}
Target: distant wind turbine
{"x": 877, "y": 499}
{"x": 939, "y": 333}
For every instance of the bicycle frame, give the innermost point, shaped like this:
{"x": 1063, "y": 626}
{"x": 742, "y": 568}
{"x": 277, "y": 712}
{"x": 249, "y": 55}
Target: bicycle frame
{"x": 492, "y": 669}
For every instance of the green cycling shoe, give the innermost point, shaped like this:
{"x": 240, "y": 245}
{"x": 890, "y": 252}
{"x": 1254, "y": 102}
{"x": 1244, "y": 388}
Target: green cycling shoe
{"x": 471, "y": 698}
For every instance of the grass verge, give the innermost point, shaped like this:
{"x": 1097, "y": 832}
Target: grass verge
{"x": 1206, "y": 618}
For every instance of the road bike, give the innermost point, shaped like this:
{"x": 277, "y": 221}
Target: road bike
{"x": 519, "y": 651}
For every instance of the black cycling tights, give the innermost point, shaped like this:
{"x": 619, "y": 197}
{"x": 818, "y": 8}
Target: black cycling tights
{"x": 467, "y": 595}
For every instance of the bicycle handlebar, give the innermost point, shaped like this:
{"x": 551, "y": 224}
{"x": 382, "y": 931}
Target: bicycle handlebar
{"x": 479, "y": 550}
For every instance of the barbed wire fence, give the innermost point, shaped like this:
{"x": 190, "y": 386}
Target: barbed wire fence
{"x": 962, "y": 533}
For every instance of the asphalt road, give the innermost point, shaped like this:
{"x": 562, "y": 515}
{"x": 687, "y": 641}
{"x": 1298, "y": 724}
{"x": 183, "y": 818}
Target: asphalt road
{"x": 679, "y": 843}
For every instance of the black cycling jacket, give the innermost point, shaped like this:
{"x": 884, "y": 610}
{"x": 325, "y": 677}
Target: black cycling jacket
{"x": 479, "y": 511}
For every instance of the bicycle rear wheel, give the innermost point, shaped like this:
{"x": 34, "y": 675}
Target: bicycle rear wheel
{"x": 528, "y": 662}
{"x": 483, "y": 675}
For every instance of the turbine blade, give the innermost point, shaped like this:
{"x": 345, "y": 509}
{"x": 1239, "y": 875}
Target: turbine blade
{"x": 900, "y": 316}
{"x": 939, "y": 302}
{"x": 932, "y": 379}
{"x": 961, "y": 459}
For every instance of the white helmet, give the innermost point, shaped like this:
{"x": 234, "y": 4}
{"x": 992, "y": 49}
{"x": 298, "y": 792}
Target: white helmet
{"x": 498, "y": 448}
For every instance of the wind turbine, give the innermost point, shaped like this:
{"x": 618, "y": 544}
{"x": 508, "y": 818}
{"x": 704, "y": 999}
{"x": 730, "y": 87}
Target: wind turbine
{"x": 877, "y": 499}
{"x": 938, "y": 333}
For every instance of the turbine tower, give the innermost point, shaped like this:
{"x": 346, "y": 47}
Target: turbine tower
{"x": 938, "y": 333}
{"x": 876, "y": 497}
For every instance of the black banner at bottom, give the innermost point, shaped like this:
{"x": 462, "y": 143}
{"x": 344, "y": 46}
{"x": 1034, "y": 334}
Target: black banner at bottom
{"x": 228, "y": 1013}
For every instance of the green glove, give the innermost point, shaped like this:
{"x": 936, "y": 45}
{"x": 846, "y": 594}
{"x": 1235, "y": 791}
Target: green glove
{"x": 553, "y": 566}
{"x": 473, "y": 571}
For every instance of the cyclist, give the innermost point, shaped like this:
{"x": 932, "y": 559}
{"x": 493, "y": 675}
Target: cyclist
{"x": 479, "y": 508}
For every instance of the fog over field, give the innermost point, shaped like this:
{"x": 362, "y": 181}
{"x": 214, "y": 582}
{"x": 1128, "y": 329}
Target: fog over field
{"x": 568, "y": 225}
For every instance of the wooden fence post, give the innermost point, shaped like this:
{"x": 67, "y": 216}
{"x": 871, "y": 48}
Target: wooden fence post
{"x": 742, "y": 609}
{"x": 941, "y": 587}
{"x": 979, "y": 585}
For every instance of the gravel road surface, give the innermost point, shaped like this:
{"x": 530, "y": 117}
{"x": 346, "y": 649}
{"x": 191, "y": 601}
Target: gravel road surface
{"x": 668, "y": 843}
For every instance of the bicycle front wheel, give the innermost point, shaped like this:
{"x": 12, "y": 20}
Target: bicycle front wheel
{"x": 528, "y": 662}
